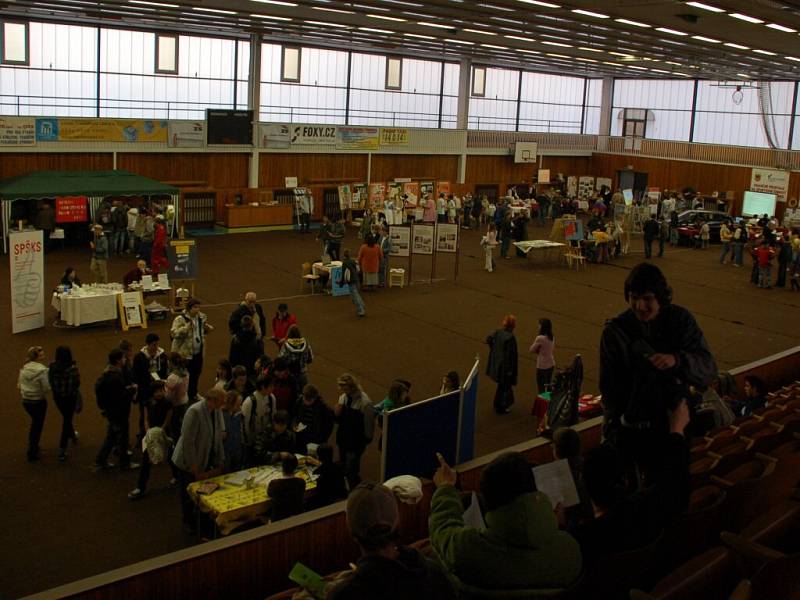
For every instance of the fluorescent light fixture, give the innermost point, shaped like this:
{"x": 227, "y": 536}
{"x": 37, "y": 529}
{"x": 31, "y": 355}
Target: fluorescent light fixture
{"x": 270, "y": 17}
{"x": 146, "y": 3}
{"x": 764, "y": 52}
{"x": 559, "y": 44}
{"x": 794, "y": 58}
{"x": 517, "y": 37}
{"x": 637, "y": 68}
{"x": 581, "y": 58}
{"x": 670, "y": 31}
{"x": 386, "y": 18}
{"x": 455, "y": 41}
{"x": 416, "y": 35}
{"x": 590, "y": 13}
{"x": 495, "y": 47}
{"x": 374, "y": 30}
{"x": 703, "y": 38}
{"x": 437, "y": 25}
{"x": 333, "y": 10}
{"x": 495, "y": 7}
{"x": 672, "y": 62}
{"x": 737, "y": 46}
{"x": 557, "y": 55}
{"x": 621, "y": 54}
{"x": 707, "y": 7}
{"x": 539, "y": 3}
{"x": 781, "y": 28}
{"x": 276, "y": 2}
{"x": 325, "y": 24}
{"x": 660, "y": 71}
{"x": 587, "y": 49}
{"x": 480, "y": 31}
{"x": 526, "y": 51}
{"x": 214, "y": 10}
{"x": 634, "y": 23}
{"x": 747, "y": 18}
{"x": 745, "y": 75}
{"x": 608, "y": 62}
{"x": 402, "y": 3}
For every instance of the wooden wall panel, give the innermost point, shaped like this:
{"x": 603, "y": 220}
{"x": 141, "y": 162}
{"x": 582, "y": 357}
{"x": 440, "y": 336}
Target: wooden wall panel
{"x": 218, "y": 170}
{"x": 497, "y": 169}
{"x": 22, "y": 163}
{"x": 274, "y": 168}
{"x": 386, "y": 167}
{"x": 568, "y": 165}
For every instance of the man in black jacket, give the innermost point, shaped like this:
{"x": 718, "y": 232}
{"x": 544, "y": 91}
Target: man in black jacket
{"x": 114, "y": 401}
{"x": 249, "y": 307}
{"x": 649, "y": 355}
{"x": 651, "y": 231}
{"x": 149, "y": 365}
{"x": 503, "y": 363}
{"x": 246, "y": 346}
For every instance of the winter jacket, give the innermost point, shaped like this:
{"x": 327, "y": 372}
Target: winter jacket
{"x": 502, "y": 363}
{"x": 113, "y": 395}
{"x": 200, "y": 445}
{"x": 280, "y": 327}
{"x": 259, "y": 321}
{"x": 356, "y": 422}
{"x": 245, "y": 349}
{"x": 142, "y": 371}
{"x": 64, "y": 381}
{"x": 33, "y": 383}
{"x": 318, "y": 420}
{"x": 182, "y": 331}
{"x": 521, "y": 547}
{"x": 299, "y": 353}
{"x": 651, "y": 229}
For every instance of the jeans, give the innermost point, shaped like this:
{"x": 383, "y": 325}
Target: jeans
{"x": 305, "y": 221}
{"x": 383, "y": 272}
{"x": 66, "y": 406}
{"x": 726, "y": 247}
{"x": 116, "y": 242}
{"x": 333, "y": 250}
{"x": 144, "y": 472}
{"x": 195, "y": 367}
{"x": 37, "y": 410}
{"x": 765, "y": 276}
{"x": 351, "y": 464}
{"x": 543, "y": 378}
{"x": 505, "y": 243}
{"x": 503, "y": 397}
{"x": 355, "y": 296}
{"x": 648, "y": 248}
{"x": 116, "y": 436}
{"x": 738, "y": 247}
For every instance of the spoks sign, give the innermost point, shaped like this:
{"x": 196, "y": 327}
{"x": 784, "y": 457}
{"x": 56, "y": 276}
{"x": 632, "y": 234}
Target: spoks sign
{"x": 26, "y": 262}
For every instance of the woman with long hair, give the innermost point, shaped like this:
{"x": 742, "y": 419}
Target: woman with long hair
{"x": 543, "y": 347}
{"x": 33, "y": 387}
{"x": 65, "y": 381}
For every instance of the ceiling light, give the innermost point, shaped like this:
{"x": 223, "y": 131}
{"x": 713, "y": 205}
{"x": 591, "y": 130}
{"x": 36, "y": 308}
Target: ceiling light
{"x": 517, "y": 37}
{"x": 737, "y": 46}
{"x": 637, "y": 68}
{"x": 747, "y": 18}
{"x": 706, "y": 7}
{"x": 374, "y": 30}
{"x": 591, "y": 60}
{"x": 587, "y": 49}
{"x": 480, "y": 31}
{"x": 557, "y": 55}
{"x": 526, "y": 51}
{"x": 325, "y": 24}
{"x": 495, "y": 47}
{"x": 455, "y": 41}
{"x": 402, "y": 3}
{"x": 145, "y": 2}
{"x": 589, "y": 13}
{"x": 781, "y": 28}
{"x": 765, "y": 52}
{"x": 333, "y": 10}
{"x": 214, "y": 10}
{"x": 439, "y": 25}
{"x": 559, "y": 44}
{"x": 745, "y": 75}
{"x": 634, "y": 23}
{"x": 608, "y": 62}
{"x": 672, "y": 62}
{"x": 703, "y": 38}
{"x": 540, "y": 3}
{"x": 387, "y": 18}
{"x": 278, "y": 2}
{"x": 670, "y": 31}
{"x": 620, "y": 54}
{"x": 270, "y": 17}
{"x": 660, "y": 71}
{"x": 794, "y": 58}
{"x": 416, "y": 35}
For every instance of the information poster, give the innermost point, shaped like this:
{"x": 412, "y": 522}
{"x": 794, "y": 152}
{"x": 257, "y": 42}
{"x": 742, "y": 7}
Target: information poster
{"x": 443, "y": 187}
{"x": 395, "y": 190}
{"x": 771, "y": 181}
{"x": 100, "y": 130}
{"x": 394, "y": 136}
{"x": 132, "y": 308}
{"x": 360, "y": 195}
{"x": 602, "y": 181}
{"x": 572, "y": 186}
{"x": 72, "y": 209}
{"x": 573, "y": 230}
{"x": 17, "y": 131}
{"x": 401, "y": 240}
{"x": 585, "y": 186}
{"x": 26, "y": 262}
{"x": 446, "y": 237}
{"x": 187, "y": 134}
{"x": 320, "y": 135}
{"x": 411, "y": 190}
{"x": 182, "y": 256}
{"x": 357, "y": 138}
{"x": 377, "y": 194}
{"x": 426, "y": 188}
{"x": 422, "y": 239}
{"x": 275, "y": 135}
{"x": 345, "y": 196}
{"x": 543, "y": 176}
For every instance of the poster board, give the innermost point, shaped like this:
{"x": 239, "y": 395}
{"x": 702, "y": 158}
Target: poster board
{"x": 345, "y": 196}
{"x": 186, "y": 134}
{"x": 275, "y": 135}
{"x": 771, "y": 181}
{"x": 573, "y": 230}
{"x": 26, "y": 267}
{"x": 543, "y": 176}
{"x": 360, "y": 194}
{"x": 377, "y": 194}
{"x": 411, "y": 189}
{"x": 585, "y": 186}
{"x": 446, "y": 237}
{"x": 602, "y": 181}
{"x": 17, "y": 131}
{"x": 401, "y": 240}
{"x": 131, "y": 310}
{"x": 468, "y": 416}
{"x": 291, "y": 182}
{"x": 427, "y": 187}
{"x": 72, "y": 209}
{"x": 572, "y": 186}
{"x": 182, "y": 257}
{"x": 336, "y": 277}
{"x": 442, "y": 187}
{"x": 422, "y": 239}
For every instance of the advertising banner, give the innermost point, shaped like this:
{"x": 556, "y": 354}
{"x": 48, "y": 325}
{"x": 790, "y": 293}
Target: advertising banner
{"x": 394, "y": 136}
{"x": 345, "y": 197}
{"x": 377, "y": 193}
{"x": 422, "y": 239}
{"x": 401, "y": 240}
{"x": 186, "y": 134}
{"x": 26, "y": 262}
{"x": 771, "y": 181}
{"x": 182, "y": 257}
{"x": 275, "y": 135}
{"x": 72, "y": 209}
{"x": 314, "y": 134}
{"x": 360, "y": 195}
{"x": 17, "y": 131}
{"x": 411, "y": 190}
{"x": 357, "y": 138}
{"x": 100, "y": 130}
{"x": 446, "y": 237}
{"x": 443, "y": 187}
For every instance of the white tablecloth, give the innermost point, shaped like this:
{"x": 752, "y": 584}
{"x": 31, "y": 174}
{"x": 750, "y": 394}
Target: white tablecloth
{"x": 79, "y": 310}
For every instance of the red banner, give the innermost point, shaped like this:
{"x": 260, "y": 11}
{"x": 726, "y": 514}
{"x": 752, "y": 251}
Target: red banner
{"x": 71, "y": 209}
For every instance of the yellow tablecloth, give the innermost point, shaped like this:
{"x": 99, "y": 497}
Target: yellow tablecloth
{"x": 233, "y": 505}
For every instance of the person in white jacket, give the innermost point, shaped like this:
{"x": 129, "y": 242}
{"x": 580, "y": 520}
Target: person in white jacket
{"x": 34, "y": 387}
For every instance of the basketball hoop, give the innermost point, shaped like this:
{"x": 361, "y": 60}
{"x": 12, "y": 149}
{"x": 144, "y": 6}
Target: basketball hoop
{"x": 737, "y": 96}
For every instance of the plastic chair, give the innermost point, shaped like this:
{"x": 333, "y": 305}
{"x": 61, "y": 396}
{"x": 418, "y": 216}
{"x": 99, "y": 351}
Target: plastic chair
{"x": 308, "y": 277}
{"x": 397, "y": 277}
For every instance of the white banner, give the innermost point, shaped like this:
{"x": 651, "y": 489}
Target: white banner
{"x": 771, "y": 181}
{"x": 17, "y": 131}
{"x": 275, "y": 135}
{"x": 314, "y": 134}
{"x": 26, "y": 262}
{"x": 186, "y": 134}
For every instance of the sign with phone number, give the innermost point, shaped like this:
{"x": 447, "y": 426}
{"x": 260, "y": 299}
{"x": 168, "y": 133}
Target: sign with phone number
{"x": 71, "y": 209}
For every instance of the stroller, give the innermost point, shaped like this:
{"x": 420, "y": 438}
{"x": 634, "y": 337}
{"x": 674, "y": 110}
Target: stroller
{"x": 562, "y": 410}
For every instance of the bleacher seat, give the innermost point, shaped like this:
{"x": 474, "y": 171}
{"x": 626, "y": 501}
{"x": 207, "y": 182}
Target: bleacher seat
{"x": 711, "y": 575}
{"x": 743, "y": 486}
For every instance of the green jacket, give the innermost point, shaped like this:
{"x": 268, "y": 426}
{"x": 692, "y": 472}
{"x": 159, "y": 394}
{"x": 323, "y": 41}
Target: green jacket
{"x": 521, "y": 547}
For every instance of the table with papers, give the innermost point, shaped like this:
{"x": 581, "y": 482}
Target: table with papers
{"x": 87, "y": 305}
{"x": 242, "y": 496}
{"x": 545, "y": 247}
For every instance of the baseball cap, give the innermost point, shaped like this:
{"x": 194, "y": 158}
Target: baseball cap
{"x": 371, "y": 511}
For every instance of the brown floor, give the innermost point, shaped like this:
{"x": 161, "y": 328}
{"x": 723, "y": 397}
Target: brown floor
{"x": 62, "y": 522}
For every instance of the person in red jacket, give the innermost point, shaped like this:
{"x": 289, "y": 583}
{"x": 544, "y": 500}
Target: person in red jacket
{"x": 158, "y": 259}
{"x": 763, "y": 256}
{"x": 281, "y": 322}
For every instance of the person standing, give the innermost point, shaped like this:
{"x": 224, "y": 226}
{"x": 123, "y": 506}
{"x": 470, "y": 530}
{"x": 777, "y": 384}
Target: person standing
{"x": 158, "y": 256}
{"x": 763, "y": 256}
{"x": 663, "y": 236}
{"x": 148, "y": 235}
{"x": 543, "y": 347}
{"x": 324, "y": 234}
{"x": 356, "y": 418}
{"x": 149, "y": 364}
{"x": 488, "y": 243}
{"x": 281, "y": 322}
{"x": 34, "y": 386}
{"x": 114, "y": 402}
{"x": 158, "y": 414}
{"x": 299, "y": 355}
{"x": 246, "y": 347}
{"x": 369, "y": 259}
{"x": 119, "y": 226}
{"x": 506, "y": 233}
{"x": 673, "y": 228}
{"x": 705, "y": 234}
{"x": 100, "y": 253}
{"x": 650, "y": 230}
{"x": 725, "y": 236}
{"x": 335, "y": 238}
{"x": 739, "y": 240}
{"x": 350, "y": 279}
{"x": 385, "y": 244}
{"x": 199, "y": 453}
{"x": 784, "y": 259}
{"x": 188, "y": 332}
{"x": 441, "y": 208}
{"x": 65, "y": 381}
{"x": 305, "y": 207}
{"x": 502, "y": 364}
{"x": 252, "y": 308}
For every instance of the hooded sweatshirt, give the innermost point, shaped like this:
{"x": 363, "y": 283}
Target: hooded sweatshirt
{"x": 299, "y": 353}
{"x": 32, "y": 382}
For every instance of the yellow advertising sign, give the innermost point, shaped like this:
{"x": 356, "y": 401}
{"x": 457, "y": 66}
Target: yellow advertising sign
{"x": 394, "y": 136}
{"x": 100, "y": 130}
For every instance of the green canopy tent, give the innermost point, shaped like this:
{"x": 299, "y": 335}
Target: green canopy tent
{"x": 96, "y": 185}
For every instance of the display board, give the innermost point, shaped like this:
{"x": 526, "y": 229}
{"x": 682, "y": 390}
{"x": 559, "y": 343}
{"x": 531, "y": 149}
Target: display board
{"x": 468, "y": 416}
{"x": 182, "y": 257}
{"x": 336, "y": 278}
{"x": 345, "y": 196}
{"x": 573, "y": 230}
{"x": 275, "y": 135}
{"x": 186, "y": 134}
{"x": 422, "y": 239}
{"x": 413, "y": 434}
{"x": 17, "y": 131}
{"x": 446, "y": 237}
{"x": 360, "y": 195}
{"x": 758, "y": 203}
{"x": 772, "y": 181}
{"x": 26, "y": 266}
{"x": 411, "y": 190}
{"x": 401, "y": 240}
{"x": 131, "y": 310}
{"x": 377, "y": 193}
{"x": 229, "y": 126}
{"x": 72, "y": 209}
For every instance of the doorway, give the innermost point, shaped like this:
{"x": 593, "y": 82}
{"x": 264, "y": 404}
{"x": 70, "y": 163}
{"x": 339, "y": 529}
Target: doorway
{"x": 330, "y": 203}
